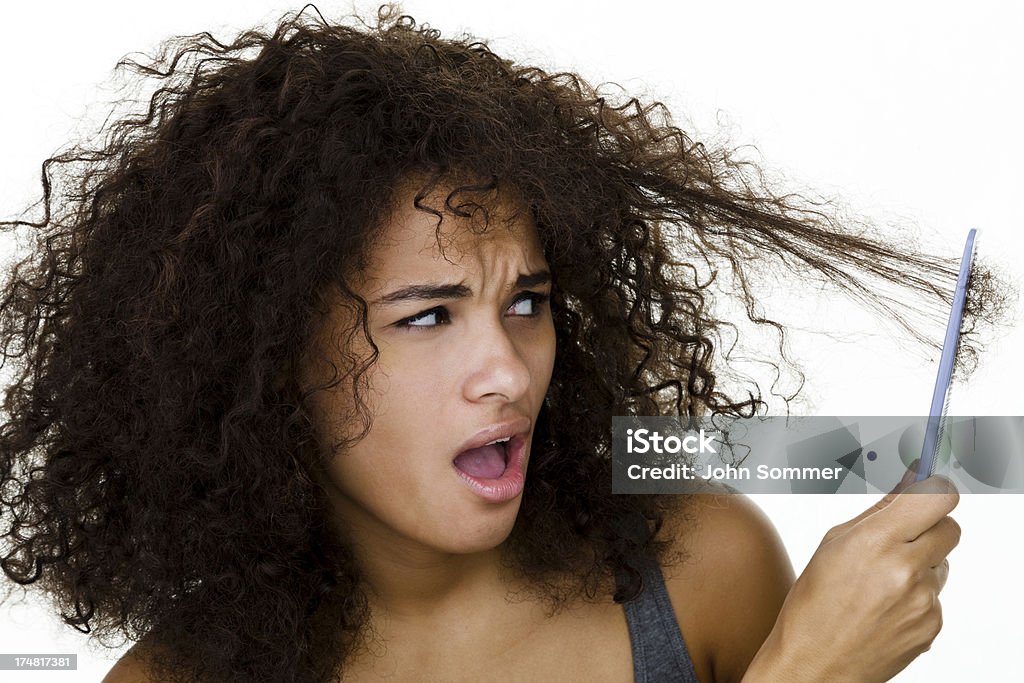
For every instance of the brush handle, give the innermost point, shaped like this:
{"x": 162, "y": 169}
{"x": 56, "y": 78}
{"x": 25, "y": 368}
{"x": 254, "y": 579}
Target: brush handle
{"x": 937, "y": 414}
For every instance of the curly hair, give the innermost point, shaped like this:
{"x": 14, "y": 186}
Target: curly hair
{"x": 158, "y": 461}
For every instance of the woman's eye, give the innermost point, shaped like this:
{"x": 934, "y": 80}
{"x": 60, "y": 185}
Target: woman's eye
{"x": 431, "y": 318}
{"x": 535, "y": 301}
{"x": 527, "y": 305}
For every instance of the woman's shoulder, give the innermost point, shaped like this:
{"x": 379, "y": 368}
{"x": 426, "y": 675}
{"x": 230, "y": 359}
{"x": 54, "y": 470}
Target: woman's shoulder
{"x": 728, "y": 591}
{"x": 129, "y": 669}
{"x": 133, "y": 667}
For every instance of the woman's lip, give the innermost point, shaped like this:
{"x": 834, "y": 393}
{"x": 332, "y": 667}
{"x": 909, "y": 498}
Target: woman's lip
{"x": 510, "y": 428}
{"x": 511, "y": 482}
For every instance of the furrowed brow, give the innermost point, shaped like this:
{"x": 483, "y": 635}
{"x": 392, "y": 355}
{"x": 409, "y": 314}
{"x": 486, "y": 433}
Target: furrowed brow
{"x": 425, "y": 292}
{"x": 433, "y": 291}
{"x": 532, "y": 279}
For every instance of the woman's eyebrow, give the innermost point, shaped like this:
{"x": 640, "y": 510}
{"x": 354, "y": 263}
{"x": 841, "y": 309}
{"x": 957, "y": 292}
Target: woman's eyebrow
{"x": 431, "y": 291}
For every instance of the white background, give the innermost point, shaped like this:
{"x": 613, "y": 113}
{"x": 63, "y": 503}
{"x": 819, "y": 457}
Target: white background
{"x": 910, "y": 112}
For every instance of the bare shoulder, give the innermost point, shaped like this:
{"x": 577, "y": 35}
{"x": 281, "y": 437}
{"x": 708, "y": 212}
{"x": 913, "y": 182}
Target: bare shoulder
{"x": 728, "y": 592}
{"x": 131, "y": 668}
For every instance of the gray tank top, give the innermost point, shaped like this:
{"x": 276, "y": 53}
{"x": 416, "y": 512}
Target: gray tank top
{"x": 659, "y": 651}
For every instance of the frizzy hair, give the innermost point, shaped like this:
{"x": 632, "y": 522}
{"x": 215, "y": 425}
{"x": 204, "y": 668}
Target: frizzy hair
{"x": 159, "y": 465}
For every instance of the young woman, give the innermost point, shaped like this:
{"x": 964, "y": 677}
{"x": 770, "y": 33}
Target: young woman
{"x": 317, "y": 365}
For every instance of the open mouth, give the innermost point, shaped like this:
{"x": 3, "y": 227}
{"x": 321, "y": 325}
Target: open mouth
{"x": 485, "y": 462}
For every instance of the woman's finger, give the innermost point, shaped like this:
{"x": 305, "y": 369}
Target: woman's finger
{"x": 935, "y": 544}
{"x": 941, "y": 572}
{"x": 908, "y": 477}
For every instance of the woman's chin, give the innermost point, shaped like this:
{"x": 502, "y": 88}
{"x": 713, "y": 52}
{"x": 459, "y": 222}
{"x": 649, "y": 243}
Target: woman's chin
{"x": 480, "y": 535}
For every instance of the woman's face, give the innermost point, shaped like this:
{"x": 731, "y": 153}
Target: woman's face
{"x": 467, "y": 347}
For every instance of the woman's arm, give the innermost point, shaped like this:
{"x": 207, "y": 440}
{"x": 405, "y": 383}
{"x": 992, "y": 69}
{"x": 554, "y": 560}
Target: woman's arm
{"x": 867, "y": 604}
{"x": 864, "y": 607}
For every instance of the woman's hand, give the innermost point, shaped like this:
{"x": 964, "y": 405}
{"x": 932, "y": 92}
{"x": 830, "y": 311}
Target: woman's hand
{"x": 867, "y": 603}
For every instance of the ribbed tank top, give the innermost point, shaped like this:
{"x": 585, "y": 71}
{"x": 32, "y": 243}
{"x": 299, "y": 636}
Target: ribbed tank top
{"x": 659, "y": 651}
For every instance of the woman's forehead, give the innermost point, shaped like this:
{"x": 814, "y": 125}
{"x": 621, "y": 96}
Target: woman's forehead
{"x": 413, "y": 240}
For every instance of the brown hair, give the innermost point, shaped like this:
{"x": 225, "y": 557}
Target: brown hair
{"x": 157, "y": 453}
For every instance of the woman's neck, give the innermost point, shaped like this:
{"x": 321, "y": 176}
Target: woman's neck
{"x": 411, "y": 582}
{"x": 413, "y": 586}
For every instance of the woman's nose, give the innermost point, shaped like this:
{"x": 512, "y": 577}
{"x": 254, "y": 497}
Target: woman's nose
{"x": 498, "y": 368}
